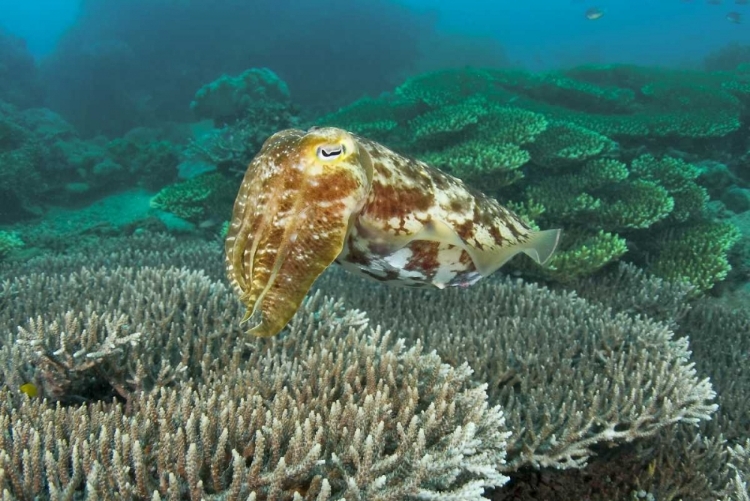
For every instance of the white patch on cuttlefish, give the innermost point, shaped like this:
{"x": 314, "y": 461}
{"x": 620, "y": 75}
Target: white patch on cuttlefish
{"x": 399, "y": 258}
{"x": 449, "y": 266}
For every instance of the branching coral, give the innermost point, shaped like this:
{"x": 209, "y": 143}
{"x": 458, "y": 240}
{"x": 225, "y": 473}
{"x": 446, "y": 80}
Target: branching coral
{"x": 570, "y": 374}
{"x": 696, "y": 254}
{"x": 566, "y": 369}
{"x": 495, "y": 164}
{"x": 564, "y": 144}
{"x": 678, "y": 178}
{"x": 198, "y": 198}
{"x": 447, "y": 123}
{"x": 582, "y": 254}
{"x": 344, "y": 412}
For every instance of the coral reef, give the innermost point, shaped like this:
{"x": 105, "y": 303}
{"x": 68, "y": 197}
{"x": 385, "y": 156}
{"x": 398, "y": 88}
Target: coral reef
{"x": 360, "y": 416}
{"x": 153, "y": 401}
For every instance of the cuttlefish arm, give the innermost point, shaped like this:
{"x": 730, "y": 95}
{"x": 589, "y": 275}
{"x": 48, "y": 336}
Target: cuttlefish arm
{"x": 291, "y": 218}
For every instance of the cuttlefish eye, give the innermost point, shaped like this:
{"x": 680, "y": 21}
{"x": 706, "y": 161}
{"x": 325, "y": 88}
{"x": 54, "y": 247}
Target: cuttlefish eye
{"x": 330, "y": 152}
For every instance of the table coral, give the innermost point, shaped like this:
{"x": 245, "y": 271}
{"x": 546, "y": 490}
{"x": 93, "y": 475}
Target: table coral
{"x": 678, "y": 178}
{"x": 563, "y": 144}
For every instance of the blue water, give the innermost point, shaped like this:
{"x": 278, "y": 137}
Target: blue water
{"x": 39, "y": 22}
{"x": 552, "y": 33}
{"x": 538, "y": 33}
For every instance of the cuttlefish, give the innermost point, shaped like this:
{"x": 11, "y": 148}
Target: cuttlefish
{"x": 310, "y": 198}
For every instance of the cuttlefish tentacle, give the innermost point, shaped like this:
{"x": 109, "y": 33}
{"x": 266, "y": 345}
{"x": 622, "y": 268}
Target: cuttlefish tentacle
{"x": 291, "y": 219}
{"x": 309, "y": 198}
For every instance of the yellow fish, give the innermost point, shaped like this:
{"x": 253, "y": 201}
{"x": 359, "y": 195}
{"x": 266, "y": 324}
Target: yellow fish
{"x": 29, "y": 389}
{"x": 311, "y": 198}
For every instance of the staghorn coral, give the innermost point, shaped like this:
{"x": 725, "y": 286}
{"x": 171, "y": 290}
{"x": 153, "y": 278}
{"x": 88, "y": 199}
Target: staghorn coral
{"x": 344, "y": 412}
{"x": 534, "y": 321}
{"x": 569, "y": 374}
{"x": 143, "y": 248}
{"x": 85, "y": 345}
{"x": 629, "y": 289}
{"x": 680, "y": 463}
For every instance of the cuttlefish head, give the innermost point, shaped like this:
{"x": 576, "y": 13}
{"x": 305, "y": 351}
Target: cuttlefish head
{"x": 291, "y": 218}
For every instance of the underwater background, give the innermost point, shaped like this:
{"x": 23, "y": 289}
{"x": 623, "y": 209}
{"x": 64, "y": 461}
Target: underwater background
{"x": 620, "y": 370}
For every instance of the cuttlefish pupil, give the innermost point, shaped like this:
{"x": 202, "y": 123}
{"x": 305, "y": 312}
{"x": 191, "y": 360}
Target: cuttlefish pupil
{"x": 329, "y": 152}
{"x": 311, "y": 198}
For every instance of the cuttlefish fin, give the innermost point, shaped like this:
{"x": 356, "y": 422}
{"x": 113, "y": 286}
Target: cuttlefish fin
{"x": 539, "y": 246}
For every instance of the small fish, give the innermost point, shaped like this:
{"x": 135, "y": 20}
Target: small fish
{"x": 208, "y": 223}
{"x": 29, "y": 389}
{"x": 741, "y": 2}
{"x": 734, "y": 17}
{"x": 594, "y": 13}
{"x": 309, "y": 199}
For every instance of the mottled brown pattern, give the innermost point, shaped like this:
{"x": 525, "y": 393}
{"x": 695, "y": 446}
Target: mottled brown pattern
{"x": 294, "y": 210}
{"x": 424, "y": 257}
{"x": 465, "y": 231}
{"x": 389, "y": 201}
{"x": 465, "y": 259}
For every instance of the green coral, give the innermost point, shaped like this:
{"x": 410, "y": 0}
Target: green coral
{"x": 198, "y": 198}
{"x": 557, "y": 87}
{"x": 440, "y": 88}
{"x": 508, "y": 124}
{"x": 379, "y": 119}
{"x": 678, "y": 178}
{"x": 563, "y": 144}
{"x": 637, "y": 204}
{"x": 563, "y": 197}
{"x": 476, "y": 162}
{"x": 9, "y": 242}
{"x": 228, "y": 98}
{"x": 488, "y": 151}
{"x": 576, "y": 196}
{"x": 582, "y": 254}
{"x": 696, "y": 254}
{"x": 447, "y": 124}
